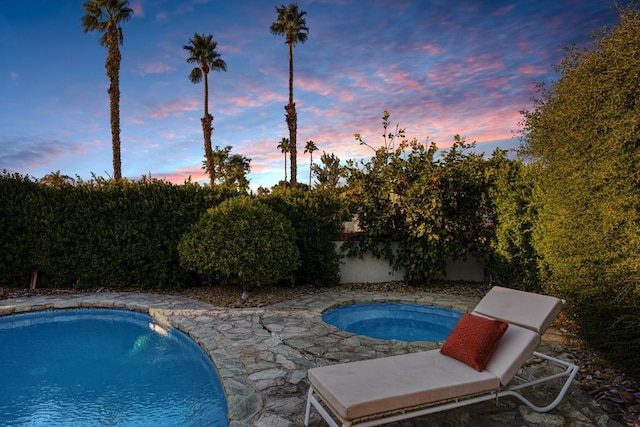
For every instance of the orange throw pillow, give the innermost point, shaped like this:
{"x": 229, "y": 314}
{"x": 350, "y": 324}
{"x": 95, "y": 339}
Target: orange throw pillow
{"x": 474, "y": 340}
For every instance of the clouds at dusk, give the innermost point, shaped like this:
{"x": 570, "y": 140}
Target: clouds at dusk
{"x": 441, "y": 68}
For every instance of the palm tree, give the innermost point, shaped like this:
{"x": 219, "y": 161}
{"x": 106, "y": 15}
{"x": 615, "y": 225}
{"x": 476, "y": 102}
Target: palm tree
{"x": 310, "y": 148}
{"x": 292, "y": 24}
{"x": 57, "y": 179}
{"x": 284, "y": 146}
{"x": 105, "y": 16}
{"x": 202, "y": 51}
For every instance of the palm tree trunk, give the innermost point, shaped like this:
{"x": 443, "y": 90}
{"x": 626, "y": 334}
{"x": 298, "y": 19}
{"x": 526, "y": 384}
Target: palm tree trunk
{"x": 310, "y": 166}
{"x": 292, "y": 123}
{"x": 113, "y": 73}
{"x": 206, "y": 130}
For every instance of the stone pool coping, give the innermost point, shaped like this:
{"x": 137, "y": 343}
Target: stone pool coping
{"x": 262, "y": 354}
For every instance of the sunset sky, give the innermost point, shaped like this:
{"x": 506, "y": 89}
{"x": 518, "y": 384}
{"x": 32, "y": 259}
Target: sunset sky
{"x": 440, "y": 67}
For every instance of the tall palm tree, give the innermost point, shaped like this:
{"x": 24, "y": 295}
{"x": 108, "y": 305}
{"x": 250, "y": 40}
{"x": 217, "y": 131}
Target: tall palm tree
{"x": 284, "y": 147}
{"x": 202, "y": 52}
{"x": 292, "y": 24}
{"x": 105, "y": 16}
{"x": 310, "y": 148}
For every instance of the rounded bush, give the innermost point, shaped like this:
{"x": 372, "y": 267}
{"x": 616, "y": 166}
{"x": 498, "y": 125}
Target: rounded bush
{"x": 241, "y": 241}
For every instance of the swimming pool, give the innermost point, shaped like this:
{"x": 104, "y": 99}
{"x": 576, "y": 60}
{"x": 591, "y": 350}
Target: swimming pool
{"x": 398, "y": 321}
{"x": 99, "y": 367}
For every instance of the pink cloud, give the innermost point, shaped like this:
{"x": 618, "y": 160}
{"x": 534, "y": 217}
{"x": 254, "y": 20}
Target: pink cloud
{"x": 180, "y": 175}
{"x": 443, "y": 75}
{"x": 480, "y": 63}
{"x": 136, "y": 121}
{"x": 314, "y": 85}
{"x": 167, "y": 134}
{"x": 400, "y": 78}
{"x": 430, "y": 49}
{"x": 155, "y": 67}
{"x": 531, "y": 70}
{"x": 256, "y": 99}
{"x": 503, "y": 10}
{"x": 496, "y": 82}
{"x": 137, "y": 8}
{"x": 362, "y": 82}
{"x": 175, "y": 108}
{"x": 78, "y": 148}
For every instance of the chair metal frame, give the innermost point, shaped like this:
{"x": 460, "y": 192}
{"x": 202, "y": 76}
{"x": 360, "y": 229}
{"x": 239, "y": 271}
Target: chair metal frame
{"x": 569, "y": 371}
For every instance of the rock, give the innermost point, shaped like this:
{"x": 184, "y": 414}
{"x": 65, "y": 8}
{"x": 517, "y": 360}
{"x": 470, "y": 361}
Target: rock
{"x": 272, "y": 421}
{"x": 536, "y": 418}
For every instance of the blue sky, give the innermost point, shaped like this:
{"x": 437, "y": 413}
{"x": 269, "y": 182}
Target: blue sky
{"x": 440, "y": 67}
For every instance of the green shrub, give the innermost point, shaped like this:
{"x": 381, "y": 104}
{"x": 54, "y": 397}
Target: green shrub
{"x": 511, "y": 257}
{"x": 241, "y": 241}
{"x": 316, "y": 217}
{"x": 20, "y": 201}
{"x": 584, "y": 136}
{"x": 98, "y": 233}
{"x": 420, "y": 203}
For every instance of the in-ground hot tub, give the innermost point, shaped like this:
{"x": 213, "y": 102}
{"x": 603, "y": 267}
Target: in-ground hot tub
{"x": 395, "y": 321}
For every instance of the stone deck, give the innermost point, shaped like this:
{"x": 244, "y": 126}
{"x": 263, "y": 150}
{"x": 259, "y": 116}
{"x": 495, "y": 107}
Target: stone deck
{"x": 262, "y": 354}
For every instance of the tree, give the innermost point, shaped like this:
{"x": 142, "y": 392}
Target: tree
{"x": 292, "y": 24}
{"x": 310, "y": 148}
{"x": 202, "y": 52}
{"x": 284, "y": 147}
{"x": 329, "y": 172}
{"x": 105, "y": 17}
{"x": 230, "y": 170}
{"x": 57, "y": 179}
{"x": 584, "y": 135}
{"x": 416, "y": 206}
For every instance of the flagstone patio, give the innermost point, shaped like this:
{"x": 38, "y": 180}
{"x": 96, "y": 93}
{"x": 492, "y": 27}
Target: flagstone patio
{"x": 262, "y": 354}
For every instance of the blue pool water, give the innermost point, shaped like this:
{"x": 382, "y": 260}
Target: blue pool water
{"x": 104, "y": 368}
{"x": 398, "y": 321}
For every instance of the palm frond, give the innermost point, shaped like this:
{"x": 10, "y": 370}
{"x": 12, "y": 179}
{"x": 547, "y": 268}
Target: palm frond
{"x": 196, "y": 75}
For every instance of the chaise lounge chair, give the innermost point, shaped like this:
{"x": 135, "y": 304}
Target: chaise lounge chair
{"x": 379, "y": 391}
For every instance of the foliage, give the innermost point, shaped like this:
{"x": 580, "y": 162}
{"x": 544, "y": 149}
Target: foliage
{"x": 511, "y": 256}
{"x": 584, "y": 134}
{"x": 433, "y": 208}
{"x": 284, "y": 147}
{"x": 202, "y": 52}
{"x": 105, "y": 16}
{"x": 316, "y": 216}
{"x": 241, "y": 241}
{"x": 20, "y": 199}
{"x": 99, "y": 232}
{"x": 310, "y": 147}
{"x": 329, "y": 172}
{"x": 230, "y": 170}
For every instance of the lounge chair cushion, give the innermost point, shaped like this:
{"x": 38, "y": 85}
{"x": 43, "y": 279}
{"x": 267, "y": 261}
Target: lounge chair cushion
{"x": 531, "y": 311}
{"x": 473, "y": 340}
{"x": 515, "y": 347}
{"x": 360, "y": 389}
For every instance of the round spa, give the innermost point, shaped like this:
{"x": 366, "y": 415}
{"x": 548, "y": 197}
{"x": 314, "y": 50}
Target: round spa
{"x": 103, "y": 367}
{"x": 395, "y": 321}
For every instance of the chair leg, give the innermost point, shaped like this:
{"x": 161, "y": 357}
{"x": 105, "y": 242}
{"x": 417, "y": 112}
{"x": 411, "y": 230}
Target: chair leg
{"x": 570, "y": 371}
{"x": 311, "y": 400}
{"x": 308, "y": 411}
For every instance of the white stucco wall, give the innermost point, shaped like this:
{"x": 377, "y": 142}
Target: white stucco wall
{"x": 372, "y": 270}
